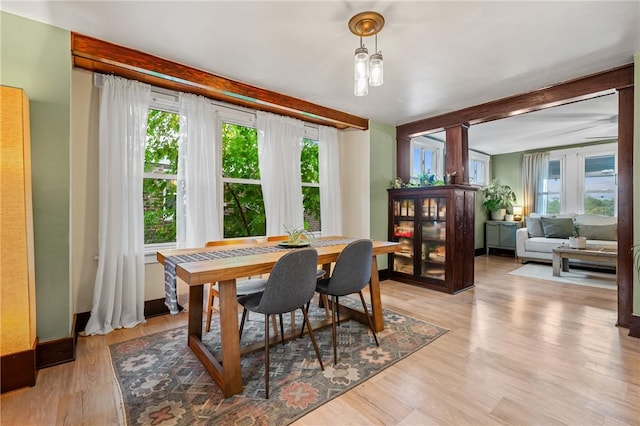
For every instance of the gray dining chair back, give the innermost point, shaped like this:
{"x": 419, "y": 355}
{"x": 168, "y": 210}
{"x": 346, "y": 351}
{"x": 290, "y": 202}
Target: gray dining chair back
{"x": 352, "y": 270}
{"x": 291, "y": 285}
{"x": 351, "y": 273}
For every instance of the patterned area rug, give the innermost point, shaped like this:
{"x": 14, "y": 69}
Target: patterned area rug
{"x": 162, "y": 382}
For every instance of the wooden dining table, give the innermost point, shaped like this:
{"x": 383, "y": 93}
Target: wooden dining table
{"x": 226, "y": 372}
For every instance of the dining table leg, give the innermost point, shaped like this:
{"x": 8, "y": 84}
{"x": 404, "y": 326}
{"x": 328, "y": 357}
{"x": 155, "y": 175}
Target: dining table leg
{"x": 227, "y": 373}
{"x": 230, "y": 336}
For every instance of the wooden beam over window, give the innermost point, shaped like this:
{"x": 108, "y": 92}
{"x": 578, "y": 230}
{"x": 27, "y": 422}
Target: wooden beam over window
{"x": 101, "y": 56}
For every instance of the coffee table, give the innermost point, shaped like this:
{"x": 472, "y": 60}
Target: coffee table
{"x": 562, "y": 254}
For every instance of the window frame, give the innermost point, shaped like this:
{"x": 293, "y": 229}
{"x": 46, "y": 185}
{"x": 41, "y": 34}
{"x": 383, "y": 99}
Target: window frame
{"x": 572, "y": 174}
{"x": 479, "y": 157}
{"x": 162, "y": 101}
{"x": 437, "y": 149}
{"x": 167, "y": 101}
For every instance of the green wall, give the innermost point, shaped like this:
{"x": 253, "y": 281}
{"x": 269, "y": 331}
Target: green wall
{"x": 507, "y": 170}
{"x": 37, "y": 58}
{"x": 382, "y": 166}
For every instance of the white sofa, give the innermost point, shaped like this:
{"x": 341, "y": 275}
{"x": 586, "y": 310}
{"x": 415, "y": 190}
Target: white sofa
{"x": 531, "y": 246}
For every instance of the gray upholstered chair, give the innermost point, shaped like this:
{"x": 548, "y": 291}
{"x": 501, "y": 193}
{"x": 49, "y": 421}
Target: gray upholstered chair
{"x": 320, "y": 273}
{"x": 290, "y": 286}
{"x": 351, "y": 274}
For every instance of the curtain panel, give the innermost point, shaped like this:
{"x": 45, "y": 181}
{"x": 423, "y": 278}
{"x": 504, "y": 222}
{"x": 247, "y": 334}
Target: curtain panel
{"x": 535, "y": 169}
{"x": 279, "y": 151}
{"x": 118, "y": 297}
{"x": 199, "y": 194}
{"x": 330, "y": 193}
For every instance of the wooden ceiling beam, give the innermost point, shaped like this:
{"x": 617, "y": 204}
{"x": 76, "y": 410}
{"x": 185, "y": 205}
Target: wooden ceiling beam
{"x": 101, "y": 56}
{"x": 570, "y": 91}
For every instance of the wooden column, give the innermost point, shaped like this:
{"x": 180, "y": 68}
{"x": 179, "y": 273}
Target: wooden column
{"x": 625, "y": 206}
{"x": 403, "y": 145}
{"x": 457, "y": 153}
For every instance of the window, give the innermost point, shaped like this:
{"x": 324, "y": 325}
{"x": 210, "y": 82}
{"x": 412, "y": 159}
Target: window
{"x": 310, "y": 184}
{"x": 599, "y": 182}
{"x": 159, "y": 178}
{"x": 582, "y": 180}
{"x": 427, "y": 156}
{"x": 552, "y": 188}
{"x": 478, "y": 168}
{"x": 243, "y": 208}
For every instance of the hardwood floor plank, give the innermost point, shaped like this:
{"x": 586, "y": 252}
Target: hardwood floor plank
{"x": 518, "y": 351}
{"x": 511, "y": 413}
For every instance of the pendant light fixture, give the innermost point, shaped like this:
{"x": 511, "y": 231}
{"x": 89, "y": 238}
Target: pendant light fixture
{"x": 368, "y": 70}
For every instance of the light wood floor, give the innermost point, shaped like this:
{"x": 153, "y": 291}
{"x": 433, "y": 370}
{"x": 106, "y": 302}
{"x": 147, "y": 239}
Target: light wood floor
{"x": 519, "y": 351}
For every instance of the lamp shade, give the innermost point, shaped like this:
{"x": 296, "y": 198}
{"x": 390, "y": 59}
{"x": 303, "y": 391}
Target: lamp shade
{"x": 376, "y": 72}
{"x": 361, "y": 63}
{"x": 517, "y": 212}
{"x": 361, "y": 86}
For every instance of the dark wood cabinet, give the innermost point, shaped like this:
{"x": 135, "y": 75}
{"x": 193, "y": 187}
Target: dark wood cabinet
{"x": 435, "y": 226}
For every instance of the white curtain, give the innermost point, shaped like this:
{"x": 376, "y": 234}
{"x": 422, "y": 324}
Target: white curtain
{"x": 535, "y": 169}
{"x": 199, "y": 195}
{"x": 118, "y": 296}
{"x": 279, "y": 150}
{"x": 330, "y": 194}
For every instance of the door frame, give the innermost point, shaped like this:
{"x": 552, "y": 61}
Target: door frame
{"x": 591, "y": 86}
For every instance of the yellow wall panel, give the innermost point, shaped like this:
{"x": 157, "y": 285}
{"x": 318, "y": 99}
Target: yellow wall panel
{"x": 17, "y": 267}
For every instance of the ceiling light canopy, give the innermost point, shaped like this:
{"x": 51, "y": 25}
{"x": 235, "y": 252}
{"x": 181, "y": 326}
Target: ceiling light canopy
{"x": 368, "y": 70}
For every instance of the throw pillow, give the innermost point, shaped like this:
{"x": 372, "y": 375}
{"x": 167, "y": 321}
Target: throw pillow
{"x": 534, "y": 227}
{"x": 557, "y": 227}
{"x": 599, "y": 232}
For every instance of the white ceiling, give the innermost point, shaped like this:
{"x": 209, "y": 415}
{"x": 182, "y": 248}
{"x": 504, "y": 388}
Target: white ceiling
{"x": 439, "y": 56}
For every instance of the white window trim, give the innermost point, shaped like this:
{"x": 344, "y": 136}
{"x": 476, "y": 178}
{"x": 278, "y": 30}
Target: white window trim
{"x": 167, "y": 100}
{"x": 435, "y": 146}
{"x": 572, "y": 173}
{"x": 483, "y": 158}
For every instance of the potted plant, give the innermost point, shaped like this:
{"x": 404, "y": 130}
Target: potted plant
{"x": 575, "y": 240}
{"x": 297, "y": 235}
{"x": 499, "y": 199}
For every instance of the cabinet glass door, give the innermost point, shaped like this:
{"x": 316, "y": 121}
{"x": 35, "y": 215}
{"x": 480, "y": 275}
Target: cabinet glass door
{"x": 434, "y": 237}
{"x": 403, "y": 232}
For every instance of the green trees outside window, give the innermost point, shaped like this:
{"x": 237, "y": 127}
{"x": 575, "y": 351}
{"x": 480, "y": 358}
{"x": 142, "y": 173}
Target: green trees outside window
{"x": 243, "y": 202}
{"x": 159, "y": 183}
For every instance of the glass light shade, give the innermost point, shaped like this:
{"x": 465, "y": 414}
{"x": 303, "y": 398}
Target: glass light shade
{"x": 376, "y": 72}
{"x": 361, "y": 63}
{"x": 361, "y": 86}
{"x": 517, "y": 213}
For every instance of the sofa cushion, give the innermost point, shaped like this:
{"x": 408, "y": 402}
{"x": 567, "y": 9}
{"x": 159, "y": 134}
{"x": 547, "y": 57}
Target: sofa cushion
{"x": 603, "y": 243}
{"x": 544, "y": 245}
{"x": 594, "y": 219}
{"x": 534, "y": 226}
{"x": 599, "y": 232}
{"x": 557, "y": 227}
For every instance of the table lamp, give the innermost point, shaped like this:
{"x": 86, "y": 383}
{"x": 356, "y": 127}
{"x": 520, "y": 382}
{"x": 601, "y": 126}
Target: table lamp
{"x": 517, "y": 213}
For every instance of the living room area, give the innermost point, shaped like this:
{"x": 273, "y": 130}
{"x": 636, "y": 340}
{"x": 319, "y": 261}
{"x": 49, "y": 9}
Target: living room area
{"x": 569, "y": 231}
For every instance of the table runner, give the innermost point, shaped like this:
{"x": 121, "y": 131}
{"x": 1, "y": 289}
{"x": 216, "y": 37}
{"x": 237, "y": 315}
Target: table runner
{"x": 171, "y": 296}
